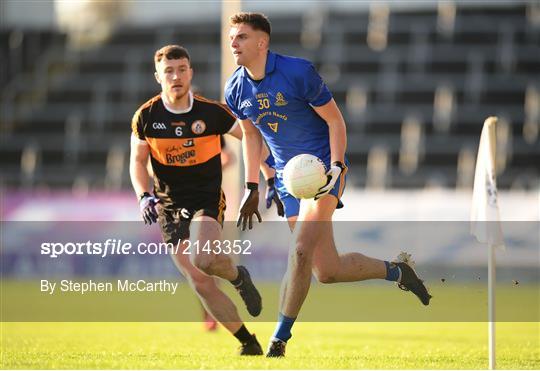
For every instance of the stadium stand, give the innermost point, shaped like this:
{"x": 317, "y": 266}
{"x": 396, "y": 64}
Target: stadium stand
{"x": 414, "y": 85}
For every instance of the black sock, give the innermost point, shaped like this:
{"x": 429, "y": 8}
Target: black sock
{"x": 243, "y": 335}
{"x": 238, "y": 279}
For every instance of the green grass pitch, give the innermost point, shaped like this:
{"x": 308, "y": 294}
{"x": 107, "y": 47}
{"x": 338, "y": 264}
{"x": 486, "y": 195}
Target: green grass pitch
{"x": 371, "y": 344}
{"x": 314, "y": 346}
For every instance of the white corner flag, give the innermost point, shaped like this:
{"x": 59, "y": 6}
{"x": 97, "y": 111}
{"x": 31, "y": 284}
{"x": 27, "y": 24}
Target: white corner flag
{"x": 485, "y": 220}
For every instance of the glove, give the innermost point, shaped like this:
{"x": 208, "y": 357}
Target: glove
{"x": 271, "y": 195}
{"x": 249, "y": 206}
{"x": 336, "y": 169}
{"x": 147, "y": 205}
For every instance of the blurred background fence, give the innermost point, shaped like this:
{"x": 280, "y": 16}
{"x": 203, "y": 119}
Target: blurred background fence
{"x": 414, "y": 83}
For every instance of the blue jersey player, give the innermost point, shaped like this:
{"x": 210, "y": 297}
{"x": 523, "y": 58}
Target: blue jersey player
{"x": 284, "y": 100}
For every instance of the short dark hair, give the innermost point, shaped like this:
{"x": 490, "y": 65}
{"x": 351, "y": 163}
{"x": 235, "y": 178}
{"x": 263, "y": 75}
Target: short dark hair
{"x": 257, "y": 21}
{"x": 171, "y": 52}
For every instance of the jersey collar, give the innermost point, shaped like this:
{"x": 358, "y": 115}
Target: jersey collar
{"x": 172, "y": 110}
{"x": 270, "y": 63}
{"x": 269, "y": 67}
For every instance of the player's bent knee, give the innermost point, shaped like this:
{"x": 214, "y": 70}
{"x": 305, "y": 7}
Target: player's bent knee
{"x": 324, "y": 277}
{"x": 222, "y": 262}
{"x": 204, "y": 263}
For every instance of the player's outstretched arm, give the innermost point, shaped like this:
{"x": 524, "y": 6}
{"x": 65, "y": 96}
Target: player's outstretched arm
{"x": 251, "y": 152}
{"x": 266, "y": 170}
{"x": 268, "y": 173}
{"x": 330, "y": 113}
{"x": 140, "y": 179}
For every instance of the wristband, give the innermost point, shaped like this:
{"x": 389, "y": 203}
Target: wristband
{"x": 270, "y": 182}
{"x": 339, "y": 164}
{"x": 143, "y": 195}
{"x": 252, "y": 186}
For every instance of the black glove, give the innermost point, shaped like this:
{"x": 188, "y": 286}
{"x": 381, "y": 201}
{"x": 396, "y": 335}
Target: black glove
{"x": 271, "y": 195}
{"x": 249, "y": 206}
{"x": 147, "y": 205}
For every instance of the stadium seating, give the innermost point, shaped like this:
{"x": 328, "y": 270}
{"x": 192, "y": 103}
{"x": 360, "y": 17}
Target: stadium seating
{"x": 414, "y": 86}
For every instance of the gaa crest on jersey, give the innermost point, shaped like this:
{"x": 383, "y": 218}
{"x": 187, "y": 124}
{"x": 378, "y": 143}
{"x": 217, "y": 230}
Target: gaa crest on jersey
{"x": 280, "y": 100}
{"x": 198, "y": 127}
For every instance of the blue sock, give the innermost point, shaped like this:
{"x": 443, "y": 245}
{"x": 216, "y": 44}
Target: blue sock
{"x": 393, "y": 273}
{"x": 283, "y": 328}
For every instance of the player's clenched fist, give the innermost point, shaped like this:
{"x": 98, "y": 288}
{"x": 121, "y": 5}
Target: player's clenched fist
{"x": 147, "y": 205}
{"x": 249, "y": 206}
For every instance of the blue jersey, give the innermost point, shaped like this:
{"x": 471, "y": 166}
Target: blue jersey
{"x": 280, "y": 106}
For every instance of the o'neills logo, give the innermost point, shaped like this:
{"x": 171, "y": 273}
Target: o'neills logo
{"x": 180, "y": 157}
{"x": 245, "y": 104}
{"x": 198, "y": 127}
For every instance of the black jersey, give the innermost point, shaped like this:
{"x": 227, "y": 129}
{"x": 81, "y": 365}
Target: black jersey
{"x": 185, "y": 147}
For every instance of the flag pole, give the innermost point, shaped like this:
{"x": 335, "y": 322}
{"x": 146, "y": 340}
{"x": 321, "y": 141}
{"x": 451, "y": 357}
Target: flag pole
{"x": 485, "y": 219}
{"x": 490, "y": 126}
{"x": 491, "y": 307}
